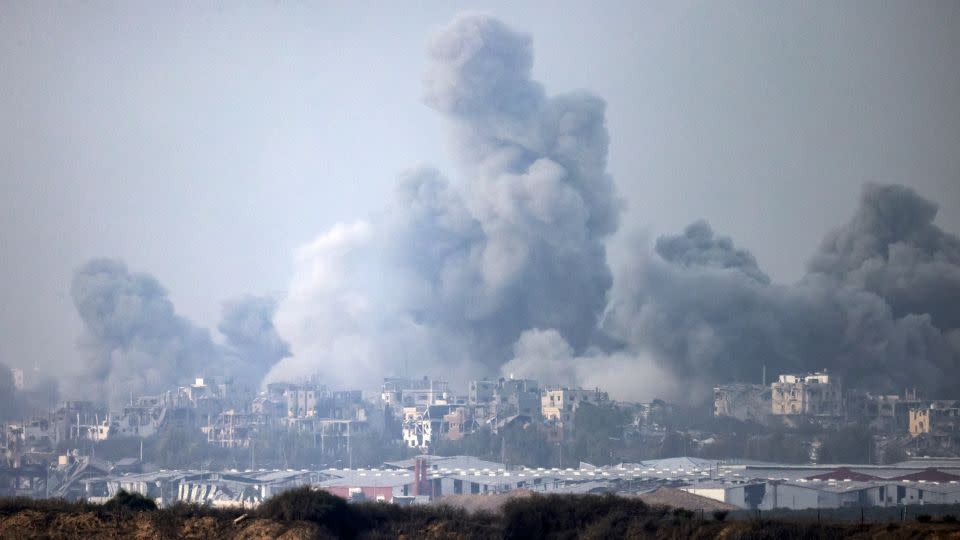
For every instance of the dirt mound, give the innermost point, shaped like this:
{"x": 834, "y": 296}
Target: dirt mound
{"x": 676, "y": 498}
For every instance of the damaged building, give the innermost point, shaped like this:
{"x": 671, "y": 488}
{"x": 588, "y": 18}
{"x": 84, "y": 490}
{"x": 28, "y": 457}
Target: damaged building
{"x": 745, "y": 402}
{"x": 812, "y": 394}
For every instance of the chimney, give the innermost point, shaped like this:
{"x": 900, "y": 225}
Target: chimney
{"x": 417, "y": 472}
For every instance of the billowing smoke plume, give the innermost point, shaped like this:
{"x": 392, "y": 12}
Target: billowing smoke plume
{"x": 448, "y": 278}
{"x": 136, "y": 343}
{"x": 709, "y": 313}
{"x": 505, "y": 272}
{"x": 892, "y": 248}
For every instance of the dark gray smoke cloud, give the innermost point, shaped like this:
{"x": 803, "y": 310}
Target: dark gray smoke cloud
{"x": 698, "y": 246}
{"x": 136, "y": 343}
{"x": 892, "y": 247}
{"x": 709, "y": 313}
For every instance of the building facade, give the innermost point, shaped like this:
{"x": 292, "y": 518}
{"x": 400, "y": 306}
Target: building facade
{"x": 814, "y": 394}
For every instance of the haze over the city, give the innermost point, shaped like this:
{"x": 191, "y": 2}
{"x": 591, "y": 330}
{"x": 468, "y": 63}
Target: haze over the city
{"x": 616, "y": 196}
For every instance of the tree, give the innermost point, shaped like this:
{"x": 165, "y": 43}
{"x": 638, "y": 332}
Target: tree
{"x": 179, "y": 448}
{"x": 597, "y": 433}
{"x": 894, "y": 454}
{"x": 852, "y": 444}
{"x": 675, "y": 444}
{"x": 523, "y": 444}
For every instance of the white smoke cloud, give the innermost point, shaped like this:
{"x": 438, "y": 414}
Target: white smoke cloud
{"x": 449, "y": 276}
{"x": 636, "y": 376}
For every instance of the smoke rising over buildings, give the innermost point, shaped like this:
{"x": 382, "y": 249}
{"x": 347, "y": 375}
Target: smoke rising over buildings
{"x": 505, "y": 272}
{"x": 136, "y": 342}
{"x": 706, "y": 307}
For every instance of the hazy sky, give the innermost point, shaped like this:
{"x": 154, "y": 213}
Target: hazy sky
{"x": 202, "y": 144}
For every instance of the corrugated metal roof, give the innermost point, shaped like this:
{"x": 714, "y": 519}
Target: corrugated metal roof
{"x": 843, "y": 473}
{"x": 359, "y": 478}
{"x": 929, "y": 475}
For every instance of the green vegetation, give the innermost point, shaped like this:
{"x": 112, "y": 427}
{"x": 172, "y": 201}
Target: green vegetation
{"x": 852, "y": 444}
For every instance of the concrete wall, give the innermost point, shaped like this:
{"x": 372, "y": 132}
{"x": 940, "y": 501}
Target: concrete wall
{"x": 369, "y": 493}
{"x": 795, "y": 497}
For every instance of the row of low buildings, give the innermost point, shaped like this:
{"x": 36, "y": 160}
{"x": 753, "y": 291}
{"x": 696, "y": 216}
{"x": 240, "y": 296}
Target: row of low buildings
{"x": 820, "y": 397}
{"x": 798, "y": 487}
{"x": 763, "y": 486}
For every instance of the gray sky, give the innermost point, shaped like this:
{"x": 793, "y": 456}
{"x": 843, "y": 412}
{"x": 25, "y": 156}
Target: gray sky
{"x": 202, "y": 144}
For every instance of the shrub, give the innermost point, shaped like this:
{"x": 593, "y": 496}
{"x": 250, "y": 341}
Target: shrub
{"x": 924, "y": 518}
{"x": 133, "y": 502}
{"x": 306, "y": 504}
{"x": 949, "y": 518}
{"x": 720, "y": 515}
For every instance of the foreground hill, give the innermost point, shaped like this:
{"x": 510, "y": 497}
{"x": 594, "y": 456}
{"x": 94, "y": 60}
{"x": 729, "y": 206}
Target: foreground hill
{"x": 306, "y": 514}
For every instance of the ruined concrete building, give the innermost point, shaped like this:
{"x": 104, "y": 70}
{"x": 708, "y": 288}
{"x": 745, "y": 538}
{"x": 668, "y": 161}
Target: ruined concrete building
{"x": 813, "y": 394}
{"x": 745, "y": 402}
{"x": 939, "y": 418}
{"x": 559, "y": 405}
